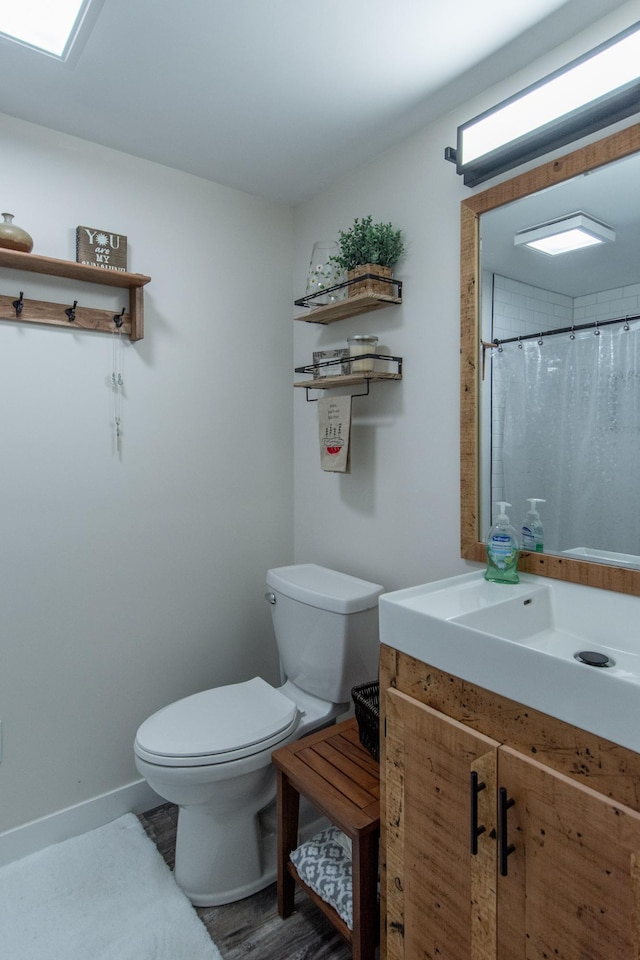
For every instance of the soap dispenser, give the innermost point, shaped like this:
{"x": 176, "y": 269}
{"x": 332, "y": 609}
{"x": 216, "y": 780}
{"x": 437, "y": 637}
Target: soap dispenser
{"x": 503, "y": 549}
{"x": 532, "y": 532}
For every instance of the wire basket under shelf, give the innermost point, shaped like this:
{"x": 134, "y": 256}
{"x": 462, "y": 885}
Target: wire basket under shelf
{"x": 366, "y": 701}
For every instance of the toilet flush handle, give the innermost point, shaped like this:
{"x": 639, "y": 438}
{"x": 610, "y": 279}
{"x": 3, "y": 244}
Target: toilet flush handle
{"x": 271, "y": 597}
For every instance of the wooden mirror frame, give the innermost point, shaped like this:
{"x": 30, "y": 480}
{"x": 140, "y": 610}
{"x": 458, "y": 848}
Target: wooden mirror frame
{"x": 611, "y": 148}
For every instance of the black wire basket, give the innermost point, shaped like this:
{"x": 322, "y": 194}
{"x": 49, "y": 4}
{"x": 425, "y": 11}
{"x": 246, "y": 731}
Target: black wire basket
{"x": 366, "y": 700}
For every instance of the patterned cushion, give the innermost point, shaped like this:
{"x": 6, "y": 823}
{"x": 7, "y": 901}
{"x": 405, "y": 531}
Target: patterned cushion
{"x": 325, "y": 867}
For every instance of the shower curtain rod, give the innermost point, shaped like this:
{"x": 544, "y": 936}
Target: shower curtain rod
{"x": 572, "y": 329}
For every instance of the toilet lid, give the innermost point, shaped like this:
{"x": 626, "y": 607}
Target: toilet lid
{"x": 217, "y": 725}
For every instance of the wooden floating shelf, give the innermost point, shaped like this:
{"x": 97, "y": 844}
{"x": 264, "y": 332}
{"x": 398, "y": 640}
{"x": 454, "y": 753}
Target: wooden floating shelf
{"x": 346, "y": 380}
{"x": 35, "y": 263}
{"x": 349, "y": 307}
{"x": 86, "y": 318}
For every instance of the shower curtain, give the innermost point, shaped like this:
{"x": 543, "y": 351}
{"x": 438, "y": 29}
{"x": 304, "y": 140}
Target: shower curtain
{"x": 566, "y": 419}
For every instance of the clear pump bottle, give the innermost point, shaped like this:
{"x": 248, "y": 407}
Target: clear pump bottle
{"x": 532, "y": 530}
{"x": 503, "y": 549}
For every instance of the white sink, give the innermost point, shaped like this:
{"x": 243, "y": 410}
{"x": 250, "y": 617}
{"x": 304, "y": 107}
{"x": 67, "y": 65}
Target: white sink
{"x": 604, "y": 556}
{"x": 521, "y": 640}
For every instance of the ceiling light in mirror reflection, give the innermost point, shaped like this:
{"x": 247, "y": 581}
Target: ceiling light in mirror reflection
{"x": 563, "y": 235}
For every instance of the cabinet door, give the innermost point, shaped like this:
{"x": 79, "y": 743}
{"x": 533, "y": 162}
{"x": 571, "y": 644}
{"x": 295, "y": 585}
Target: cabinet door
{"x": 441, "y": 897}
{"x": 572, "y": 889}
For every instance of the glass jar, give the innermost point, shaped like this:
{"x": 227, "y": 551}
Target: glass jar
{"x": 358, "y": 346}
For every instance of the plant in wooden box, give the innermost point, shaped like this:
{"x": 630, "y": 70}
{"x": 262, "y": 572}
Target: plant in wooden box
{"x": 368, "y": 247}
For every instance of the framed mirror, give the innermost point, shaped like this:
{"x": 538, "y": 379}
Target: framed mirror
{"x": 491, "y": 261}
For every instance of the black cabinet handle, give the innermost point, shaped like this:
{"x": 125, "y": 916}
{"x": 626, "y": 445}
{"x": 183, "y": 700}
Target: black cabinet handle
{"x": 505, "y": 849}
{"x": 476, "y": 830}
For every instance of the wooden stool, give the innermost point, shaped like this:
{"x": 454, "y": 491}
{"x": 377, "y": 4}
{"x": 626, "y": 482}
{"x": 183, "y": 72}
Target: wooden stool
{"x": 334, "y": 771}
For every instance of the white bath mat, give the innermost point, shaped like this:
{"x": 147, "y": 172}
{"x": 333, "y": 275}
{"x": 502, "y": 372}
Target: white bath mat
{"x": 106, "y": 895}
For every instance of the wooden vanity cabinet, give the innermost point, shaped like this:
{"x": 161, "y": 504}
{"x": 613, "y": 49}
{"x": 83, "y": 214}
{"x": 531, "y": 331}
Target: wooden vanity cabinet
{"x": 429, "y": 760}
{"x": 505, "y": 833}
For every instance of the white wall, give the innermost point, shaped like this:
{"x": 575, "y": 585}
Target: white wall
{"x": 125, "y": 584}
{"x": 395, "y": 518}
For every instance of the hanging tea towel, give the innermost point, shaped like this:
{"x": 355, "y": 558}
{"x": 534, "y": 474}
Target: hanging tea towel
{"x": 334, "y": 416}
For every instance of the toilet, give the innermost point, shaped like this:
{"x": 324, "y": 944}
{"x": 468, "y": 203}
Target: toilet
{"x": 210, "y": 753}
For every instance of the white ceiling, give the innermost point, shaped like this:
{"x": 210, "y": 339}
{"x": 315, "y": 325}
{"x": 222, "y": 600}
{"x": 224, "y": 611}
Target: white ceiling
{"x": 278, "y": 97}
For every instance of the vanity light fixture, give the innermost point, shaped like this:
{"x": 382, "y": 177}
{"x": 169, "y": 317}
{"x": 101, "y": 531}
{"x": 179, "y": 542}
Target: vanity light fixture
{"x": 571, "y": 232}
{"x": 593, "y": 91}
{"x": 52, "y": 27}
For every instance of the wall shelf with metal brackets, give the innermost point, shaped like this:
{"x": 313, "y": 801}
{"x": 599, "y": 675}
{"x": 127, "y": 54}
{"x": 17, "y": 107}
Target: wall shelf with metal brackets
{"x": 348, "y": 379}
{"x": 21, "y": 308}
{"x": 350, "y": 306}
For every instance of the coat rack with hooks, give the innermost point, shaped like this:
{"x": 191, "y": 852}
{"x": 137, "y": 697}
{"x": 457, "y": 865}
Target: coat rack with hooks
{"x": 73, "y": 313}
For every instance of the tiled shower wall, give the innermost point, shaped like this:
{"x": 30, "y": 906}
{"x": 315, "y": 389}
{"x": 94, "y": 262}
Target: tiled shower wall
{"x": 607, "y": 305}
{"x": 520, "y": 309}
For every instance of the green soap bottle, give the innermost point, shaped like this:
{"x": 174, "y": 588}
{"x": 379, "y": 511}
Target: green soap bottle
{"x": 503, "y": 549}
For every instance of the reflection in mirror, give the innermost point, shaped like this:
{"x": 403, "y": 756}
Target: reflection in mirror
{"x": 563, "y": 387}
{"x": 565, "y": 423}
{"x": 557, "y": 414}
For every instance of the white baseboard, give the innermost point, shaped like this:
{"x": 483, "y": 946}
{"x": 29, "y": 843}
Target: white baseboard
{"x": 72, "y": 821}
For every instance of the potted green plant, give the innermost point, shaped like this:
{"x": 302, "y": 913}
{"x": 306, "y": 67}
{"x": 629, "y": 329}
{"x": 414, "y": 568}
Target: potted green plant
{"x": 368, "y": 247}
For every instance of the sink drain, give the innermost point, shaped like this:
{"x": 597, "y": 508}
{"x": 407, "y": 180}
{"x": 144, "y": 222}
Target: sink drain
{"x": 594, "y": 659}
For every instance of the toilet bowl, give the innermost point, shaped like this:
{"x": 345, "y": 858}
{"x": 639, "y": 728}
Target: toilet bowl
{"x": 210, "y": 753}
{"x": 221, "y": 786}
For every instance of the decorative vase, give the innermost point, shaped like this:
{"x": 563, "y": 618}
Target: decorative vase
{"x": 370, "y": 288}
{"x": 324, "y": 273}
{"x": 14, "y": 238}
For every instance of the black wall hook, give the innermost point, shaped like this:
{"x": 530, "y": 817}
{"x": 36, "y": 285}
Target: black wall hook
{"x": 18, "y": 305}
{"x": 71, "y": 311}
{"x": 118, "y": 318}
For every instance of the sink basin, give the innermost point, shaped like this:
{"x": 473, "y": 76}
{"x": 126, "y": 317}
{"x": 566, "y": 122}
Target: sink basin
{"x": 604, "y": 556}
{"x": 521, "y": 641}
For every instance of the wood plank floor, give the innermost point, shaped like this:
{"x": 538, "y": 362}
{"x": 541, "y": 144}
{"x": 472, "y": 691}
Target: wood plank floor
{"x": 251, "y": 928}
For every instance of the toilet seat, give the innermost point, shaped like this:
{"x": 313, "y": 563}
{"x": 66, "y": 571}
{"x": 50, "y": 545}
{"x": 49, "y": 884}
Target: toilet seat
{"x": 217, "y": 726}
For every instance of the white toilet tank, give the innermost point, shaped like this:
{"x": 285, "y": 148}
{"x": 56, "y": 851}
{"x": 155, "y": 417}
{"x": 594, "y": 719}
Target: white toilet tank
{"x": 326, "y": 626}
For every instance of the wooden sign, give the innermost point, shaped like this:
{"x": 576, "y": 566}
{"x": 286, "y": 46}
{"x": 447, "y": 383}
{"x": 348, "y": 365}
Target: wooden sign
{"x": 100, "y": 248}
